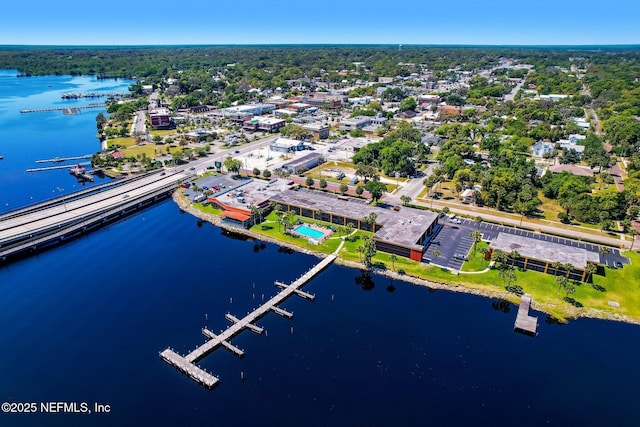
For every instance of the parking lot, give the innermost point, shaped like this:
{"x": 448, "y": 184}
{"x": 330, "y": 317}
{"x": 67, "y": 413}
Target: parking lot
{"x": 214, "y": 182}
{"x": 456, "y": 239}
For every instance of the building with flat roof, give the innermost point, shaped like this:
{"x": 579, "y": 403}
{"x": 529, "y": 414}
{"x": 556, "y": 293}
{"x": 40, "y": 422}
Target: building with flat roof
{"x": 160, "y": 118}
{"x": 286, "y": 145}
{"x": 404, "y": 232}
{"x": 354, "y": 145}
{"x": 319, "y": 130}
{"x": 303, "y": 163}
{"x": 264, "y": 124}
{"x": 236, "y": 202}
{"x": 539, "y": 255}
{"x": 355, "y": 123}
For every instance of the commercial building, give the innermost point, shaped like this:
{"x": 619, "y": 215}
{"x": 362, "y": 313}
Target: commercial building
{"x": 404, "y": 232}
{"x": 303, "y": 163}
{"x": 318, "y": 130}
{"x": 264, "y": 124}
{"x": 355, "y": 123}
{"x": 286, "y": 145}
{"x": 160, "y": 118}
{"x": 539, "y": 255}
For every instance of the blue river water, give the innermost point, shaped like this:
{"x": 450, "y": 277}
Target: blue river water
{"x": 84, "y": 322}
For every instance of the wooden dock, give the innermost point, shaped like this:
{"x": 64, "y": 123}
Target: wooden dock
{"x": 186, "y": 364}
{"x": 525, "y": 324}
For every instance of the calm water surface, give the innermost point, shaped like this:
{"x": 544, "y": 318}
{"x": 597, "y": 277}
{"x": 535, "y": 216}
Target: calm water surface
{"x": 85, "y": 323}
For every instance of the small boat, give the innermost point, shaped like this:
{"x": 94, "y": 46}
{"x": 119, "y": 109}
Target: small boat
{"x": 1, "y": 157}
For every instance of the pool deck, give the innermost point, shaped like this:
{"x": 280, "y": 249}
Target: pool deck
{"x": 325, "y": 232}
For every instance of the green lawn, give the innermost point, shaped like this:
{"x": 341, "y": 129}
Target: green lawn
{"x": 476, "y": 262}
{"x": 207, "y": 208}
{"x": 269, "y": 227}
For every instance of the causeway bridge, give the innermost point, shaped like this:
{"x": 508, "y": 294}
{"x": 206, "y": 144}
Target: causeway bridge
{"x": 187, "y": 364}
{"x": 52, "y": 222}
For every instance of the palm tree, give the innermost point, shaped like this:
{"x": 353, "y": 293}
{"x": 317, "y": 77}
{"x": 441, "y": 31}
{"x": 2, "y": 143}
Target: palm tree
{"x": 557, "y": 265}
{"x": 349, "y": 228}
{"x": 562, "y": 282}
{"x": 372, "y": 218}
{"x": 590, "y": 269}
{"x": 484, "y": 251}
{"x": 514, "y": 255}
{"x": 604, "y": 250}
{"x": 478, "y": 221}
{"x": 436, "y": 254}
{"x": 393, "y": 259}
{"x": 633, "y": 232}
{"x": 568, "y": 267}
{"x": 477, "y": 237}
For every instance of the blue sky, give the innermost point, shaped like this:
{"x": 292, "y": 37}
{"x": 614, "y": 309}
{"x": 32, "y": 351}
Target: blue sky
{"x": 131, "y": 22}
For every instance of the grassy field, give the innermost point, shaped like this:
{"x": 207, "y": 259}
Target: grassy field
{"x": 125, "y": 142}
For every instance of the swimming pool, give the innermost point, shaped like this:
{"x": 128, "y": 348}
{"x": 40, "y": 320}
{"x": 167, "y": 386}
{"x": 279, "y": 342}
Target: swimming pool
{"x": 309, "y": 232}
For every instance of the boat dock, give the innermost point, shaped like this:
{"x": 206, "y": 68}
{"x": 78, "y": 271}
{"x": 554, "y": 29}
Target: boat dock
{"x": 187, "y": 364}
{"x": 525, "y": 323}
{"x": 50, "y": 168}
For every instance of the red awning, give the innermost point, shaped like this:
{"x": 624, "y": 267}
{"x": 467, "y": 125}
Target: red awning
{"x": 236, "y": 215}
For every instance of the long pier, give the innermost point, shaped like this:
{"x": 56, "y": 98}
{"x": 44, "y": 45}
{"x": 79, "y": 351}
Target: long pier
{"x": 525, "y": 323}
{"x": 64, "y": 159}
{"x": 92, "y": 95}
{"x": 47, "y": 110}
{"x": 50, "y": 168}
{"x": 187, "y": 363}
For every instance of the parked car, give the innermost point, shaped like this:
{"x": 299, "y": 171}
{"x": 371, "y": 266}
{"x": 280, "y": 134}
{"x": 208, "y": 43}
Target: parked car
{"x": 460, "y": 256}
{"x": 435, "y": 242}
{"x": 619, "y": 264}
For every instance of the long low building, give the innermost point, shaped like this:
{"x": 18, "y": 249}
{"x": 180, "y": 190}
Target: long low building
{"x": 540, "y": 255}
{"x": 402, "y": 232}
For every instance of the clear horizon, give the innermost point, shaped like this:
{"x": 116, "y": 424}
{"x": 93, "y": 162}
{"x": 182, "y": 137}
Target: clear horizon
{"x": 490, "y": 23}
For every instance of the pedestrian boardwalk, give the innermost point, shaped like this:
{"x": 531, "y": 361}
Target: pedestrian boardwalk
{"x": 525, "y": 323}
{"x": 186, "y": 363}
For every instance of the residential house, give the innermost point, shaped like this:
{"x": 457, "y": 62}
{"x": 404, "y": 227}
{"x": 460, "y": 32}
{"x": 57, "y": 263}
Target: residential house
{"x": 543, "y": 149}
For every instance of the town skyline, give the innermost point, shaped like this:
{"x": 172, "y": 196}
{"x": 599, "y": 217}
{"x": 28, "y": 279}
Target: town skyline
{"x": 498, "y": 23}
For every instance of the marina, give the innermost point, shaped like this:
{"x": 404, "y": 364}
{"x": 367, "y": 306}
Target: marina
{"x": 187, "y": 364}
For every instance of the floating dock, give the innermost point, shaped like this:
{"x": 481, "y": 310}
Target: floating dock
{"x": 187, "y": 365}
{"x": 525, "y": 323}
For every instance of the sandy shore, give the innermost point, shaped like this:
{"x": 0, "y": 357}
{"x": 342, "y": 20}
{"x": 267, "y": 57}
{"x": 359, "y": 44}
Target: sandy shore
{"x": 572, "y": 312}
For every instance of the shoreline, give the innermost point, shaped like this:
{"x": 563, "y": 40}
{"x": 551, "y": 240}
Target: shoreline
{"x": 575, "y": 313}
